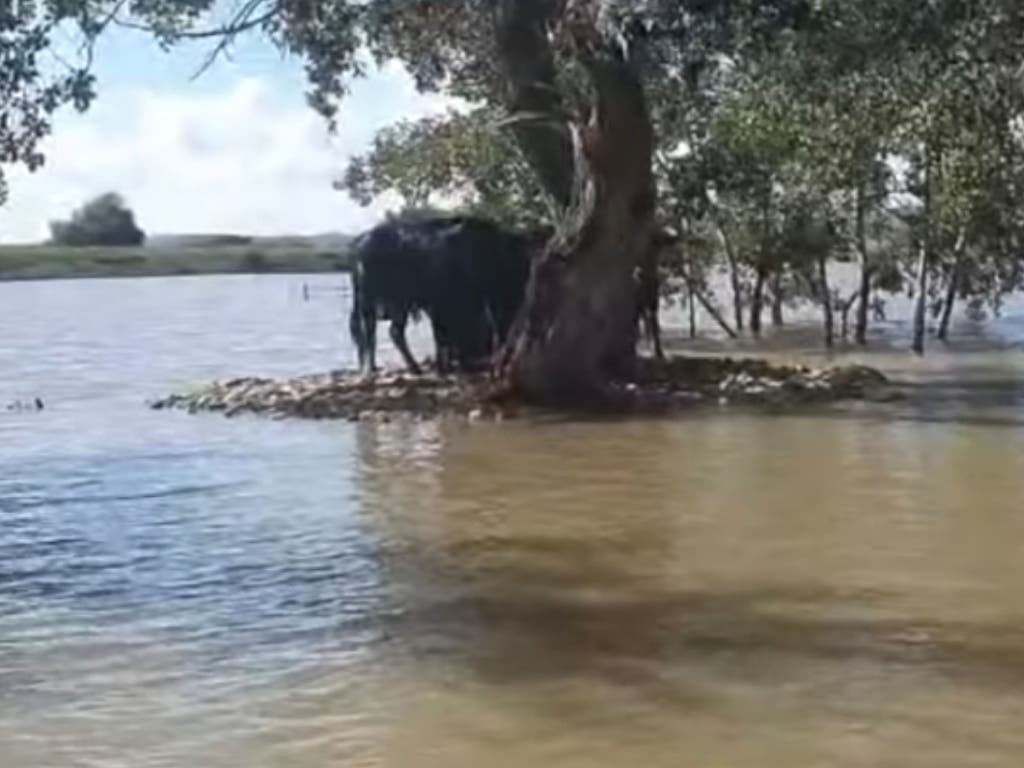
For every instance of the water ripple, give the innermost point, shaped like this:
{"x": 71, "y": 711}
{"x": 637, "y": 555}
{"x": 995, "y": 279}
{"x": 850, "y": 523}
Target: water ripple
{"x": 53, "y": 501}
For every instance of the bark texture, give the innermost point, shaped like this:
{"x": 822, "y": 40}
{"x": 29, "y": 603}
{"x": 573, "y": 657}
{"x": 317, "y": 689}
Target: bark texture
{"x": 577, "y": 329}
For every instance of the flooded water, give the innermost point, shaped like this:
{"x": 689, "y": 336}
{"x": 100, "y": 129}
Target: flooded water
{"x": 843, "y": 588}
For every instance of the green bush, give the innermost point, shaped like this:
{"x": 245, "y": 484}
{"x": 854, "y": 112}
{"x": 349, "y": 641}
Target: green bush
{"x": 104, "y": 220}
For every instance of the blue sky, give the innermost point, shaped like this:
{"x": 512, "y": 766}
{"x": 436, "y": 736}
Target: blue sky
{"x": 236, "y": 150}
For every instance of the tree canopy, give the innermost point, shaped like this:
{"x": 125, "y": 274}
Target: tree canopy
{"x": 770, "y": 116}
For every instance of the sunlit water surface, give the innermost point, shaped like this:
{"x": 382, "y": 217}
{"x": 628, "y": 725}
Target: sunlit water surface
{"x": 723, "y": 589}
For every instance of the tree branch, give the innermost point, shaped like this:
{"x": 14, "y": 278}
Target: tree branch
{"x": 89, "y": 44}
{"x": 242, "y": 23}
{"x": 241, "y": 18}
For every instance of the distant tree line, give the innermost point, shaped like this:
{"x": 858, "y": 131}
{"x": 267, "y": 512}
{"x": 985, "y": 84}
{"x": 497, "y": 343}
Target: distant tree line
{"x": 104, "y": 220}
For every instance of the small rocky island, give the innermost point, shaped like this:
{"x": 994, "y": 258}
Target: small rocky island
{"x": 661, "y": 386}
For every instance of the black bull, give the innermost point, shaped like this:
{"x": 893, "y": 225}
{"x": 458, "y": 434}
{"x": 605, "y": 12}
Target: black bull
{"x": 468, "y": 275}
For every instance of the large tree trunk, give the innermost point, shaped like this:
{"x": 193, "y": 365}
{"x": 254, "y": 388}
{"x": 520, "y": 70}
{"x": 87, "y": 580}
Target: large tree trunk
{"x": 952, "y": 286}
{"x": 577, "y": 329}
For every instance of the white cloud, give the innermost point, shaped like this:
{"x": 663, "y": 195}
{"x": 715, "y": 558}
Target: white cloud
{"x": 245, "y": 158}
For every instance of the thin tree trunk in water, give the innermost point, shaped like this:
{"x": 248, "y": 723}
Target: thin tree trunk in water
{"x": 757, "y": 303}
{"x": 826, "y": 301}
{"x": 863, "y": 304}
{"x": 577, "y": 329}
{"x": 953, "y": 285}
{"x": 734, "y": 275}
{"x": 844, "y": 315}
{"x": 692, "y": 307}
{"x": 921, "y": 300}
{"x": 866, "y": 270}
{"x": 924, "y": 259}
{"x": 761, "y": 276}
{"x": 711, "y": 309}
{"x": 777, "y": 319}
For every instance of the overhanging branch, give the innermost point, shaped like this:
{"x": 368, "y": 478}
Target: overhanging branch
{"x": 242, "y": 22}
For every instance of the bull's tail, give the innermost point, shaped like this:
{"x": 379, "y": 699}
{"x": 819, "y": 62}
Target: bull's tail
{"x": 362, "y": 321}
{"x": 355, "y": 328}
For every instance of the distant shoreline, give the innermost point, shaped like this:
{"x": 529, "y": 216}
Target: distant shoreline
{"x": 52, "y": 262}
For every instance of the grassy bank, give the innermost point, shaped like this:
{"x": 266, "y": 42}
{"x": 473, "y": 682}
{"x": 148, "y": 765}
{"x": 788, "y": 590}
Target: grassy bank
{"x": 42, "y": 262}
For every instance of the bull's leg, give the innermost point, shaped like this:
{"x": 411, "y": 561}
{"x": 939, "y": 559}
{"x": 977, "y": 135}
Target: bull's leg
{"x": 444, "y": 356}
{"x": 444, "y": 360}
{"x": 397, "y": 330}
{"x": 494, "y": 339}
{"x": 355, "y": 329}
{"x": 368, "y": 352}
{"x": 442, "y": 348}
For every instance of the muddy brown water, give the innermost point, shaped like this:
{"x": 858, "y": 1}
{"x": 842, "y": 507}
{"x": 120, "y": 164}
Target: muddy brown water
{"x": 842, "y": 587}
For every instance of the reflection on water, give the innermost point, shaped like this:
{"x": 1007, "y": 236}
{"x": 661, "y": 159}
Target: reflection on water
{"x": 831, "y": 589}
